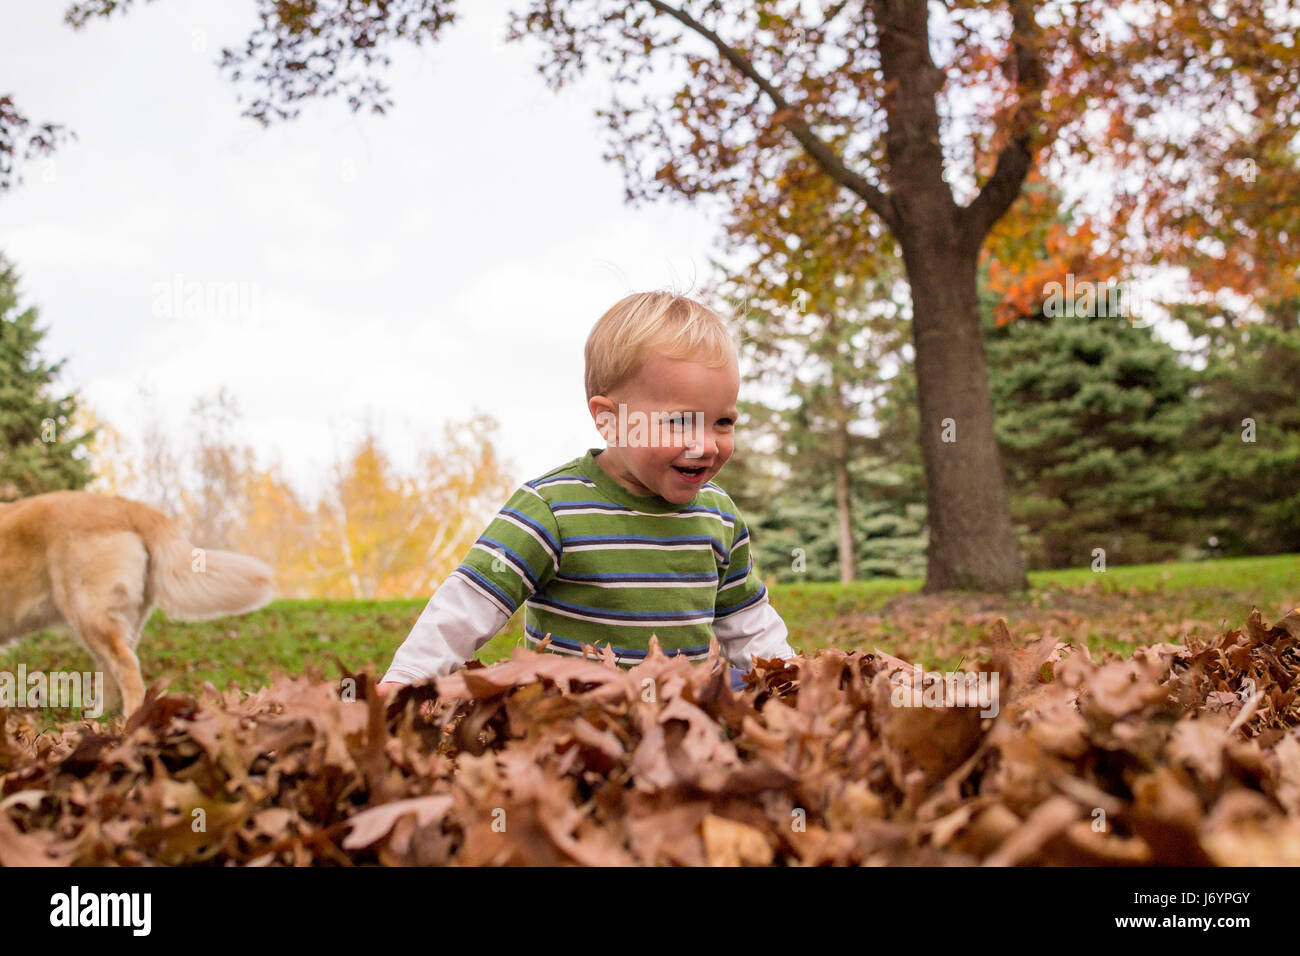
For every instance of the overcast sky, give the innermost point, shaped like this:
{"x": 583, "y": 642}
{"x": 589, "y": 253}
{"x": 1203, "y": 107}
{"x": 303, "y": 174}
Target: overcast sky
{"x": 414, "y": 267}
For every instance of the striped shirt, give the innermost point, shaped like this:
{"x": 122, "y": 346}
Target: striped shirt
{"x": 593, "y": 563}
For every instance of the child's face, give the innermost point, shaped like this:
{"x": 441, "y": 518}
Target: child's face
{"x": 688, "y": 415}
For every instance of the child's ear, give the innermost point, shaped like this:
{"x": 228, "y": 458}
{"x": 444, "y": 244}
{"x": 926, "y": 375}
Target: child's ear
{"x": 603, "y": 414}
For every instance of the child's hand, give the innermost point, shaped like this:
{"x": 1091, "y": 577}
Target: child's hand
{"x": 384, "y": 688}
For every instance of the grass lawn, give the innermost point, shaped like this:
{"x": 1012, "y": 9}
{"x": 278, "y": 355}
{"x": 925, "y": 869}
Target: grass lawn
{"x": 1111, "y": 611}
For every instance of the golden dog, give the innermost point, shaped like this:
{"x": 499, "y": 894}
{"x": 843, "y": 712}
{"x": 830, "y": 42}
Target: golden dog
{"x": 99, "y": 564}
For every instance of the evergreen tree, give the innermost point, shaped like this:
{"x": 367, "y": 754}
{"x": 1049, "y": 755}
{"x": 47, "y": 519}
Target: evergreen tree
{"x": 1241, "y": 476}
{"x": 796, "y": 536}
{"x": 1094, "y": 418}
{"x": 36, "y": 452}
{"x": 1093, "y": 414}
{"x": 821, "y": 335}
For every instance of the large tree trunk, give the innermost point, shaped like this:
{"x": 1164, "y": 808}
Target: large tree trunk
{"x": 972, "y": 542}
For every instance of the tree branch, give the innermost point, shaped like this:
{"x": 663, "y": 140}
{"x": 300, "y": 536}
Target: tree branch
{"x": 1016, "y": 158}
{"x": 789, "y": 117}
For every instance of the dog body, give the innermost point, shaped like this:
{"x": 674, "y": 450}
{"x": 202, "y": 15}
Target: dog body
{"x": 100, "y": 564}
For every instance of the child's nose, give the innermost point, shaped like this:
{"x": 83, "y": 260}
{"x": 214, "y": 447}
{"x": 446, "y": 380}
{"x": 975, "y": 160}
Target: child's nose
{"x": 702, "y": 446}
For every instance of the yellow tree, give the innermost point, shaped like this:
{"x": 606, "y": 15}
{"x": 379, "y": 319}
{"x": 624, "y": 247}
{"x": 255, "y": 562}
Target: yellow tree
{"x": 460, "y": 486}
{"x": 383, "y": 534}
{"x": 375, "y": 532}
{"x": 279, "y": 528}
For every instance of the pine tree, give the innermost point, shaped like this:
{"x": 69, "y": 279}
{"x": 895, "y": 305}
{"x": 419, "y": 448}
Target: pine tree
{"x": 823, "y": 335}
{"x": 1093, "y": 414}
{"x": 37, "y": 453}
{"x": 1241, "y": 477}
{"x": 796, "y": 535}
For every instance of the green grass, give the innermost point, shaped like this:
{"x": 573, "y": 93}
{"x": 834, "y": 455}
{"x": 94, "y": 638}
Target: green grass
{"x": 1112, "y": 611}
{"x": 1271, "y": 578}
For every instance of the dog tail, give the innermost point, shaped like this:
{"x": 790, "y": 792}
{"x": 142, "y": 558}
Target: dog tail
{"x": 194, "y": 584}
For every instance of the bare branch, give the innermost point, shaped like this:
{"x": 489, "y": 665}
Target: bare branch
{"x": 1016, "y": 158}
{"x": 22, "y": 139}
{"x": 789, "y": 117}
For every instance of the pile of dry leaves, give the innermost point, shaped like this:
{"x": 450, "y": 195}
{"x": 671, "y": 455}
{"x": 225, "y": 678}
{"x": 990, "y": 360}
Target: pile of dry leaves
{"x": 1178, "y": 755}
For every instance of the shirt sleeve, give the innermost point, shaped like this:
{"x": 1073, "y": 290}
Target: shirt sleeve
{"x": 744, "y": 621}
{"x": 517, "y": 554}
{"x": 757, "y": 631}
{"x": 456, "y": 622}
{"x": 739, "y": 586}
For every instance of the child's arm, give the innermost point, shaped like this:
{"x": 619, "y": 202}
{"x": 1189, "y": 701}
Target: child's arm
{"x": 455, "y": 623}
{"x": 757, "y": 631}
{"x": 516, "y": 555}
{"x": 744, "y": 621}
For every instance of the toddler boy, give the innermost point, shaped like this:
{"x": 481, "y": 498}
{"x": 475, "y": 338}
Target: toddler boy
{"x": 627, "y": 541}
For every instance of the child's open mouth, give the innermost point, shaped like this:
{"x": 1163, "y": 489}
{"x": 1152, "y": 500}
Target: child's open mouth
{"x": 690, "y": 474}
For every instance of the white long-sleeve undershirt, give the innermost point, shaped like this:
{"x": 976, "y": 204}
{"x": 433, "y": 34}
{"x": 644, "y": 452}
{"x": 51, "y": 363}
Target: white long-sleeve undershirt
{"x": 458, "y": 620}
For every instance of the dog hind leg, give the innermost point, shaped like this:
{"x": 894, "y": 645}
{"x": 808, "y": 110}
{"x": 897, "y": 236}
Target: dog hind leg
{"x": 102, "y": 598}
{"x": 109, "y": 638}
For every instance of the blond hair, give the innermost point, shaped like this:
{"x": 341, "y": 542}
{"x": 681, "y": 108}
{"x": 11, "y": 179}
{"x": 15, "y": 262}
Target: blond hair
{"x": 664, "y": 323}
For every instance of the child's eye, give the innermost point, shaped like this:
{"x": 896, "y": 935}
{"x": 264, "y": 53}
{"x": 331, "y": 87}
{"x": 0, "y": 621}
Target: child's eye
{"x": 726, "y": 422}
